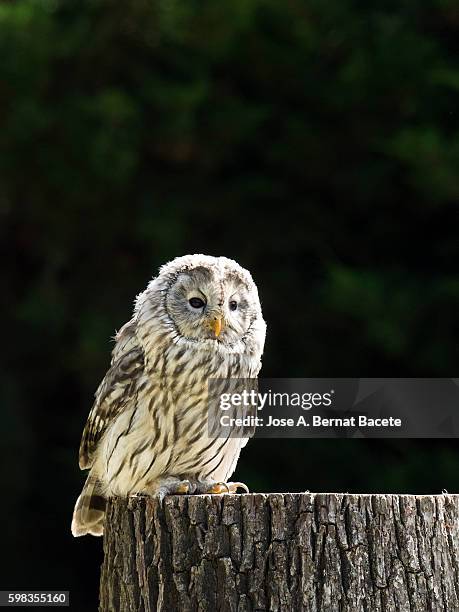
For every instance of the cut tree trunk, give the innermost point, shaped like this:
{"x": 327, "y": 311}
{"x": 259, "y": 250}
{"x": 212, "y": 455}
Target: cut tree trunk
{"x": 289, "y": 551}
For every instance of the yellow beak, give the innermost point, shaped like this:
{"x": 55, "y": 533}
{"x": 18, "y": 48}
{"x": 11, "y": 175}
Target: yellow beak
{"x": 216, "y": 325}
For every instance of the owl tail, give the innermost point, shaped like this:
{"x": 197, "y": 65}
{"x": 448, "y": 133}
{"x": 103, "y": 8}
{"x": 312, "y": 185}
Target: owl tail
{"x": 89, "y": 512}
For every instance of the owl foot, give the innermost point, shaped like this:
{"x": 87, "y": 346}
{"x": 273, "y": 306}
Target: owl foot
{"x": 174, "y": 486}
{"x": 177, "y": 486}
{"x": 219, "y": 488}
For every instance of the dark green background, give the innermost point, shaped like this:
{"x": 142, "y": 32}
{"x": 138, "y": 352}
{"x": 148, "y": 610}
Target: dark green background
{"x": 314, "y": 142}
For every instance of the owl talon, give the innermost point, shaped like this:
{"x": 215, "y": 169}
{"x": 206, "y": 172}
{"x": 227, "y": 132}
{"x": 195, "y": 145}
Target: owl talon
{"x": 234, "y": 486}
{"x": 221, "y": 488}
{"x": 184, "y": 487}
{"x": 218, "y": 488}
{"x": 175, "y": 487}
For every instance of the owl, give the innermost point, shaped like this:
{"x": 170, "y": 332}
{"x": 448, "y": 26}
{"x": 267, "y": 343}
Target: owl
{"x": 147, "y": 432}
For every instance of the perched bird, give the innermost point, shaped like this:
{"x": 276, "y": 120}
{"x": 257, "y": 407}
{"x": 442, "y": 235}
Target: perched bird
{"x": 147, "y": 432}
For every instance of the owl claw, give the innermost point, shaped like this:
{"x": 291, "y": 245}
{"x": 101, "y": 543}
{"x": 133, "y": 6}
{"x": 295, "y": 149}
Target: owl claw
{"x": 184, "y": 488}
{"x": 217, "y": 488}
{"x": 175, "y": 487}
{"x": 220, "y": 488}
{"x": 234, "y": 486}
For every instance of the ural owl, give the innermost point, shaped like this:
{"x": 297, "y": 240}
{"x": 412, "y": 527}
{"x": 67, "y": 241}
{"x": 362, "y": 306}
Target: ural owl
{"x": 200, "y": 318}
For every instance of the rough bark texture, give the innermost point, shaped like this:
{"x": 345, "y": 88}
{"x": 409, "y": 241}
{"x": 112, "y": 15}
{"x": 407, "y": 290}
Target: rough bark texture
{"x": 302, "y": 551}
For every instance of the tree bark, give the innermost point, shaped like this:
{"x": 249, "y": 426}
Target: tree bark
{"x": 292, "y": 551}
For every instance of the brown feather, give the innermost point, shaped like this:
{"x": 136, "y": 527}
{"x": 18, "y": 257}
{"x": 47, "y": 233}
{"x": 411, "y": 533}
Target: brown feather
{"x": 114, "y": 392}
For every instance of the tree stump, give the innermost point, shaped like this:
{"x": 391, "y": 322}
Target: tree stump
{"x": 286, "y": 552}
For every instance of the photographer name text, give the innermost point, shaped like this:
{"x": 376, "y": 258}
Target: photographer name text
{"x": 314, "y": 421}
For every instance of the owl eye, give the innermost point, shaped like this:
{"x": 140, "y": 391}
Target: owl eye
{"x": 196, "y": 302}
{"x": 233, "y": 305}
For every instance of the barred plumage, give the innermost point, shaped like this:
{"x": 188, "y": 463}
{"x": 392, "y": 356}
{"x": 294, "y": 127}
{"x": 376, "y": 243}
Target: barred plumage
{"x": 147, "y": 430}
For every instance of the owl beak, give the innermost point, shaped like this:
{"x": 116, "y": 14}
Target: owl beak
{"x": 216, "y": 325}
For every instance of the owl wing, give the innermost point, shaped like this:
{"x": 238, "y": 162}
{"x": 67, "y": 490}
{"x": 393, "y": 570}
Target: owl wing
{"x": 114, "y": 392}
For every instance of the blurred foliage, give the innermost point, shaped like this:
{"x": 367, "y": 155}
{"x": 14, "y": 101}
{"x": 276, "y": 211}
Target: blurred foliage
{"x": 315, "y": 142}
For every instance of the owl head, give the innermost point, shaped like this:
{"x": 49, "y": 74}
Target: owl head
{"x": 211, "y": 302}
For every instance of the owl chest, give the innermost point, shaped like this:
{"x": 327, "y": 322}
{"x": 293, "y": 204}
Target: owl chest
{"x": 178, "y": 385}
{"x": 190, "y": 371}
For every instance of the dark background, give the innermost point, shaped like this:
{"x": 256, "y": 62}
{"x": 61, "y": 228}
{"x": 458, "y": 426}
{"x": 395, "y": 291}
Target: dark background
{"x": 314, "y": 142}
